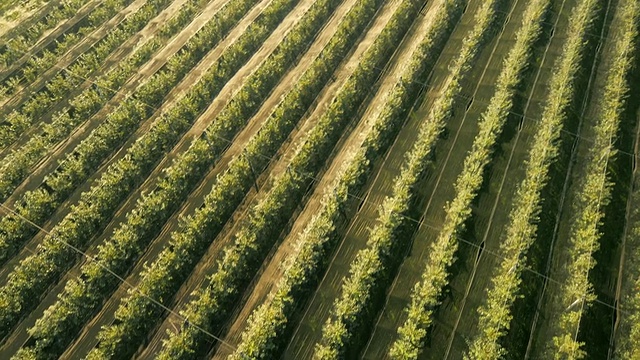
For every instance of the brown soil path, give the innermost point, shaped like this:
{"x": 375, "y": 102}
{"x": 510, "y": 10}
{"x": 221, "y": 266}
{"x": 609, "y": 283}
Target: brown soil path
{"x": 273, "y": 269}
{"x": 48, "y": 37}
{"x": 10, "y": 28}
{"x": 207, "y": 265}
{"x": 50, "y": 163}
{"x": 147, "y": 32}
{"x": 12, "y": 12}
{"x": 204, "y": 267}
{"x": 379, "y": 186}
{"x": 25, "y": 90}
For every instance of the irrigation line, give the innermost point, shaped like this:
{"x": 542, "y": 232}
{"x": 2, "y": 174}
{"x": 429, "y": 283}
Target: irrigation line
{"x": 525, "y": 117}
{"x": 363, "y": 200}
{"x": 589, "y": 34}
{"x": 423, "y": 222}
{"x": 424, "y": 85}
{"x": 122, "y": 280}
{"x": 313, "y": 178}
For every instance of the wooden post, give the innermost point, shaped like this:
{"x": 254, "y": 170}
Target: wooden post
{"x": 253, "y": 172}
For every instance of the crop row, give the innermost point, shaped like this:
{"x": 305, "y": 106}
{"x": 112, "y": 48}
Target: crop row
{"x": 470, "y": 179}
{"x": 628, "y": 343}
{"x": 263, "y": 225}
{"x": 59, "y": 86}
{"x": 37, "y": 205}
{"x": 9, "y": 8}
{"x": 21, "y": 42}
{"x": 84, "y": 105}
{"x": 354, "y": 306}
{"x": 495, "y": 314}
{"x": 264, "y": 333}
{"x": 81, "y": 299}
{"x": 426, "y": 294}
{"x": 594, "y": 191}
{"x": 46, "y": 58}
{"x": 350, "y": 310}
{"x": 188, "y": 244}
{"x": 15, "y": 167}
{"x": 522, "y": 227}
{"x": 34, "y": 274}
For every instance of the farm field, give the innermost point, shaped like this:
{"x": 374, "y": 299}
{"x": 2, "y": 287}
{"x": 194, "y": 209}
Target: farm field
{"x": 320, "y": 179}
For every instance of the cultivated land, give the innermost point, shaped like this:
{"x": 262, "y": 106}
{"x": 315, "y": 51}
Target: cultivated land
{"x": 326, "y": 179}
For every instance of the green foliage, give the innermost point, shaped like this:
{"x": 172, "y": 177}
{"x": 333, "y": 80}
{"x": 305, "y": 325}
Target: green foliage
{"x": 628, "y": 346}
{"x": 143, "y": 223}
{"x": 349, "y": 310}
{"x": 16, "y": 165}
{"x": 594, "y": 191}
{"x": 34, "y": 274}
{"x": 89, "y": 154}
{"x": 467, "y": 186}
{"x": 56, "y": 88}
{"x": 46, "y": 58}
{"x": 495, "y": 313}
{"x": 260, "y": 340}
{"x": 232, "y": 185}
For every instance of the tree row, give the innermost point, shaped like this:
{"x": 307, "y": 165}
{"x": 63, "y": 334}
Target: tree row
{"x": 265, "y": 333}
{"x": 16, "y": 166}
{"x": 24, "y": 39}
{"x": 30, "y": 279}
{"x": 83, "y": 161}
{"x": 594, "y": 189}
{"x": 80, "y": 299}
{"x": 188, "y": 244}
{"x": 56, "y": 89}
{"x": 469, "y": 181}
{"x": 355, "y": 306}
{"x": 49, "y": 56}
